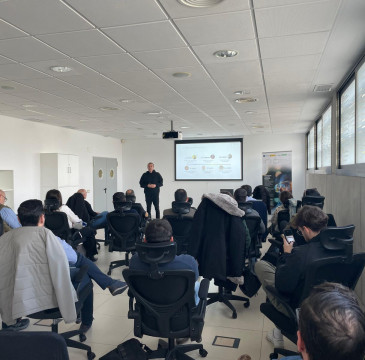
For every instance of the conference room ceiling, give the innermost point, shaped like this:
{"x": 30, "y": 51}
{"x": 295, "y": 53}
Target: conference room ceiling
{"x": 135, "y": 65}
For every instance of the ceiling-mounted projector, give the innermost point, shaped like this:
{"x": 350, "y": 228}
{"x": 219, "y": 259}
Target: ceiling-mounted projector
{"x": 172, "y": 134}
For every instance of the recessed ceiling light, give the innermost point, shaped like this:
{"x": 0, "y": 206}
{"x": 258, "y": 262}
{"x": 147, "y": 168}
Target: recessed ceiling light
{"x": 60, "y": 69}
{"x": 84, "y": 120}
{"x": 242, "y": 92}
{"x": 108, "y": 108}
{"x": 184, "y": 127}
{"x": 199, "y": 3}
{"x": 257, "y": 127}
{"x": 125, "y": 101}
{"x": 245, "y": 100}
{"x": 225, "y": 53}
{"x": 250, "y": 112}
{"x": 27, "y": 106}
{"x": 154, "y": 113}
{"x": 181, "y": 74}
{"x": 7, "y": 87}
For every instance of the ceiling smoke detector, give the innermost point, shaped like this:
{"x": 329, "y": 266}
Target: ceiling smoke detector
{"x": 199, "y": 3}
{"x": 225, "y": 53}
{"x": 181, "y": 74}
{"x": 245, "y": 100}
{"x": 108, "y": 108}
{"x": 322, "y": 88}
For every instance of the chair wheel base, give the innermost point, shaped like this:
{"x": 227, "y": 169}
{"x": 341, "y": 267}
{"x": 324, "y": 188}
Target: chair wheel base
{"x": 234, "y": 315}
{"x": 273, "y": 356}
{"x": 246, "y": 304}
{"x": 82, "y": 337}
{"x": 203, "y": 352}
{"x": 109, "y": 272}
{"x": 90, "y": 355}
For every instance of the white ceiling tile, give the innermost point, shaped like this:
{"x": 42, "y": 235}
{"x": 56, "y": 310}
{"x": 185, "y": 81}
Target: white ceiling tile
{"x": 28, "y": 49}
{"x": 176, "y": 10}
{"x": 293, "y": 45}
{"x": 18, "y": 72}
{"x": 271, "y": 3}
{"x": 293, "y": 63}
{"x": 143, "y": 37}
{"x": 247, "y": 50}
{"x": 296, "y": 19}
{"x": 8, "y": 31}
{"x": 82, "y": 43}
{"x": 221, "y": 28}
{"x": 106, "y": 64}
{"x": 170, "y": 58}
{"x": 4, "y": 60}
{"x": 41, "y": 17}
{"x": 109, "y": 13}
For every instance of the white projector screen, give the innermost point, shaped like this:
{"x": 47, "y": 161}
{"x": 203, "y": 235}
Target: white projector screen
{"x": 208, "y": 159}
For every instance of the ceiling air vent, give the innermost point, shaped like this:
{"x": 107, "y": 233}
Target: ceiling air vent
{"x": 322, "y": 88}
{"x": 199, "y": 3}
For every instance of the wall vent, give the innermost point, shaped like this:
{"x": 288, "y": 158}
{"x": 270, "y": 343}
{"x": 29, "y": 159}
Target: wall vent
{"x": 322, "y": 88}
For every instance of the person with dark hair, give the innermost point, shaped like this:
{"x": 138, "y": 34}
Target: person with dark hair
{"x": 119, "y": 197}
{"x": 130, "y": 196}
{"x": 248, "y": 189}
{"x": 331, "y": 325}
{"x": 287, "y": 276}
{"x": 284, "y": 199}
{"x": 261, "y": 193}
{"x": 180, "y": 197}
{"x": 7, "y": 215}
{"x": 74, "y": 222}
{"x": 151, "y": 181}
{"x": 311, "y": 192}
{"x": 160, "y": 231}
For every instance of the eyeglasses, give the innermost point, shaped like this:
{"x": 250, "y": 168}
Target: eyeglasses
{"x": 5, "y": 198}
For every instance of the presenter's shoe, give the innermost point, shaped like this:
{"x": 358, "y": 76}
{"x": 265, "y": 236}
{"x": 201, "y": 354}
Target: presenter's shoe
{"x": 276, "y": 338}
{"x": 20, "y": 324}
{"x": 117, "y": 287}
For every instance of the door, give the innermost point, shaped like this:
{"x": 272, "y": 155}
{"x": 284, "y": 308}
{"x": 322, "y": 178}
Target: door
{"x": 105, "y": 183}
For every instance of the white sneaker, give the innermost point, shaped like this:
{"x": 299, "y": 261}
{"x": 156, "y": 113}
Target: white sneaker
{"x": 276, "y": 338}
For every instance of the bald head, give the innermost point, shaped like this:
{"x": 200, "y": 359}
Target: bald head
{"x": 83, "y": 192}
{"x": 2, "y": 197}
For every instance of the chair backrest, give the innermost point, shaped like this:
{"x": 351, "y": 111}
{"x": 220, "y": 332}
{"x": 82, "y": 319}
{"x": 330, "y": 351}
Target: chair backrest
{"x": 313, "y": 201}
{"x": 122, "y": 206}
{"x": 50, "y": 205}
{"x": 253, "y": 224}
{"x": 261, "y": 208}
{"x": 124, "y": 231}
{"x": 338, "y": 238}
{"x": 246, "y": 205}
{"x": 57, "y": 222}
{"x": 131, "y": 198}
{"x": 164, "y": 298}
{"x": 283, "y": 219}
{"x": 32, "y": 345}
{"x": 1, "y": 226}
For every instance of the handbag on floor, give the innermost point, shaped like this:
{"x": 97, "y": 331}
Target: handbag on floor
{"x": 131, "y": 349}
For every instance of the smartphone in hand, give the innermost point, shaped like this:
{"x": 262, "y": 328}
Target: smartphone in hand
{"x": 289, "y": 237}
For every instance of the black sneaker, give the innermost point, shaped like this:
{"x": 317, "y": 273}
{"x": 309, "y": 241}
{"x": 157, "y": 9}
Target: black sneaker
{"x": 21, "y": 324}
{"x": 117, "y": 287}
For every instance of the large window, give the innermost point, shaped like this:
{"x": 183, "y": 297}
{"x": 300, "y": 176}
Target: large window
{"x": 347, "y": 125}
{"x": 326, "y": 137}
{"x": 360, "y": 115}
{"x": 310, "y": 144}
{"x": 319, "y": 143}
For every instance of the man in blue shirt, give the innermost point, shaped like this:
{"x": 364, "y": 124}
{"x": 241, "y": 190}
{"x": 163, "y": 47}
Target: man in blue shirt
{"x": 158, "y": 231}
{"x": 8, "y": 216}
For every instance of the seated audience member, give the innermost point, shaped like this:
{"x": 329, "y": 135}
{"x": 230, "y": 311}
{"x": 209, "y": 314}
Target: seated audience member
{"x": 8, "y": 216}
{"x": 284, "y": 199}
{"x": 180, "y": 197}
{"x": 130, "y": 196}
{"x": 33, "y": 261}
{"x": 311, "y": 192}
{"x": 331, "y": 325}
{"x": 160, "y": 231}
{"x": 74, "y": 222}
{"x": 287, "y": 275}
{"x": 248, "y": 189}
{"x": 240, "y": 195}
{"x": 261, "y": 193}
{"x": 119, "y": 197}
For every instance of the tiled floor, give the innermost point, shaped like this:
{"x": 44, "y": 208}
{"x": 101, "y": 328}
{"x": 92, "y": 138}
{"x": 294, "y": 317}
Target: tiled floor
{"x": 111, "y": 325}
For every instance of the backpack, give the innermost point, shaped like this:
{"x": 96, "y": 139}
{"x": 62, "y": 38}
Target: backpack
{"x": 131, "y": 349}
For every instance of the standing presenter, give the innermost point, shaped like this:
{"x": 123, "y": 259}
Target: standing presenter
{"x": 151, "y": 181}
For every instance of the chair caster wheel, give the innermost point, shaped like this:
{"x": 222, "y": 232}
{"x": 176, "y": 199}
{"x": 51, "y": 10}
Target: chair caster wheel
{"x": 234, "y": 315}
{"x": 82, "y": 337}
{"x": 203, "y": 352}
{"x": 246, "y": 304}
{"x": 273, "y": 356}
{"x": 90, "y": 355}
{"x": 109, "y": 272}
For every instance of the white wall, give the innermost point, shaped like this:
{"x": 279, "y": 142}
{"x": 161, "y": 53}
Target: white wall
{"x": 137, "y": 153}
{"x": 22, "y": 142}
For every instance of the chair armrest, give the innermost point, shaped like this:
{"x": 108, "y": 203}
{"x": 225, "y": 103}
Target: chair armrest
{"x": 203, "y": 295}
{"x": 203, "y": 289}
{"x": 283, "y": 299}
{"x": 79, "y": 275}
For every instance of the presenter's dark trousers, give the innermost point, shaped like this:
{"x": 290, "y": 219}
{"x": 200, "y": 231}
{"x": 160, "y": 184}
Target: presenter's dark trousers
{"x": 153, "y": 197}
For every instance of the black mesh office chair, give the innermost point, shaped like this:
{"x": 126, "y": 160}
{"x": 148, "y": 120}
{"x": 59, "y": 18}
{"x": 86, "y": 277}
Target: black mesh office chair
{"x": 1, "y": 226}
{"x": 181, "y": 225}
{"x": 313, "y": 201}
{"x": 56, "y": 221}
{"x": 139, "y": 208}
{"x": 253, "y": 224}
{"x": 32, "y": 345}
{"x": 345, "y": 269}
{"x": 56, "y": 316}
{"x": 124, "y": 232}
{"x": 162, "y": 303}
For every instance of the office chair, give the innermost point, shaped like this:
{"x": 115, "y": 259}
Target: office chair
{"x": 253, "y": 224}
{"x": 345, "y": 269}
{"x": 56, "y": 316}
{"x": 32, "y": 345}
{"x": 181, "y": 225}
{"x": 162, "y": 302}
{"x": 56, "y": 221}
{"x": 1, "y": 226}
{"x": 124, "y": 232}
{"x": 139, "y": 208}
{"x": 313, "y": 201}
